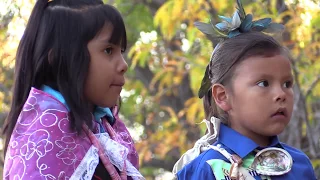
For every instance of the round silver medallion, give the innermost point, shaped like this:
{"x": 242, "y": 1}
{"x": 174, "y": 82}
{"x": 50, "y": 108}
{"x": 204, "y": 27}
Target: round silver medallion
{"x": 272, "y": 162}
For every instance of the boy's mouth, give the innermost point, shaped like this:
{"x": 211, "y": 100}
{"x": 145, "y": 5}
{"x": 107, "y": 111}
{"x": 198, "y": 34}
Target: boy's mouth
{"x": 281, "y": 112}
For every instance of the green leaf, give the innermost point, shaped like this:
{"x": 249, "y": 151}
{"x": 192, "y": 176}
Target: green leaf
{"x": 144, "y": 57}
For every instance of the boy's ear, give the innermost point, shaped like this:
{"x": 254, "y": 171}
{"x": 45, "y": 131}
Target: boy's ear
{"x": 220, "y": 95}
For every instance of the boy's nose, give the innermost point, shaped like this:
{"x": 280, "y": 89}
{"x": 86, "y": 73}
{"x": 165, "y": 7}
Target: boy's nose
{"x": 280, "y": 95}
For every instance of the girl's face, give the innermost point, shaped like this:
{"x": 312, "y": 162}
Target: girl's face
{"x": 261, "y": 101}
{"x": 106, "y": 70}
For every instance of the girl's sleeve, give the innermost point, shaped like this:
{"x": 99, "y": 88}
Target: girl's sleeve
{"x": 126, "y": 139}
{"x": 43, "y": 147}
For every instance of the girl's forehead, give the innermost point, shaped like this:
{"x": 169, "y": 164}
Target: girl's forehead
{"x": 105, "y": 32}
{"x": 112, "y": 34}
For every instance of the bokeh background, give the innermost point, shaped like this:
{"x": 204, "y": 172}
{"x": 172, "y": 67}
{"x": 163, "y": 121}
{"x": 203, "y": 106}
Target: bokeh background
{"x": 167, "y": 57}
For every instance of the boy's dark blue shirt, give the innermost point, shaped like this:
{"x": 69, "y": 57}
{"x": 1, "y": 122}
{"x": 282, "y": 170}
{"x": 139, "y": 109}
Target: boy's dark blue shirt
{"x": 235, "y": 143}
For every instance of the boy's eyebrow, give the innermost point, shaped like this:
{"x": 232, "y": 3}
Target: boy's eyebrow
{"x": 264, "y": 75}
{"x": 289, "y": 76}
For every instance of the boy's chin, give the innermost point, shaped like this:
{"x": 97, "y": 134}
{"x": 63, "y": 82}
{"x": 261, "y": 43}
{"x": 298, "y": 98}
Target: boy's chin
{"x": 275, "y": 131}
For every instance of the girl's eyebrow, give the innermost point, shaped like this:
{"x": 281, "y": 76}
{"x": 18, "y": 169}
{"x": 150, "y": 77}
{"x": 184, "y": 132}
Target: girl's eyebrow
{"x": 104, "y": 40}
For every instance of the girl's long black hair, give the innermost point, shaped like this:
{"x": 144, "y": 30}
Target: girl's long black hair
{"x": 53, "y": 51}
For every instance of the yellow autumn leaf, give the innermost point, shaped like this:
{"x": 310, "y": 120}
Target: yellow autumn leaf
{"x": 171, "y": 112}
{"x": 156, "y": 78}
{"x": 190, "y": 101}
{"x": 177, "y": 9}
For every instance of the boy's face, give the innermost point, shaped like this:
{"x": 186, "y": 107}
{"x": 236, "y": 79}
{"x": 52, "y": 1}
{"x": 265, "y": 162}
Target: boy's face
{"x": 262, "y": 98}
{"x": 106, "y": 70}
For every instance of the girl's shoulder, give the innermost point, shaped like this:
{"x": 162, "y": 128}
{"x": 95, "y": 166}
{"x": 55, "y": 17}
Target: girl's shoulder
{"x": 42, "y": 110}
{"x": 42, "y": 138}
{"x": 43, "y": 99}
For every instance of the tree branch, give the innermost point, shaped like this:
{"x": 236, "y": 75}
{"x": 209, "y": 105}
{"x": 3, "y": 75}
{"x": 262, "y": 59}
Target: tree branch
{"x": 166, "y": 163}
{"x": 302, "y": 99}
{"x": 312, "y": 86}
{"x": 312, "y": 146}
{"x": 153, "y": 5}
{"x": 212, "y": 10}
{"x": 144, "y": 74}
{"x": 160, "y": 163}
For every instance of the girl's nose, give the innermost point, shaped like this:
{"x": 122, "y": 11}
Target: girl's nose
{"x": 123, "y": 66}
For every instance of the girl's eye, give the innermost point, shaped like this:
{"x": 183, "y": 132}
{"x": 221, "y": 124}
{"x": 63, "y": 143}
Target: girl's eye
{"x": 108, "y": 51}
{"x": 288, "y": 84}
{"x": 263, "y": 84}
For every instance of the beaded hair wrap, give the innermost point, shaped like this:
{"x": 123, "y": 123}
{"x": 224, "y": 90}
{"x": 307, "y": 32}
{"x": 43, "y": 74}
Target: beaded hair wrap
{"x": 239, "y": 23}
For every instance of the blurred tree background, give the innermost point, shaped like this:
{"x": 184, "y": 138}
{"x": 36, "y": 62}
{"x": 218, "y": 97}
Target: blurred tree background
{"x": 167, "y": 56}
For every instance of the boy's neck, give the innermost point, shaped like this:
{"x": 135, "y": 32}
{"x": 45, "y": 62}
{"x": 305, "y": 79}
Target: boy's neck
{"x": 262, "y": 141}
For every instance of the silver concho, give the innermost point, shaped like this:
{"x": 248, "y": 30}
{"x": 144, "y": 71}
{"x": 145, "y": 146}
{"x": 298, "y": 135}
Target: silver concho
{"x": 272, "y": 162}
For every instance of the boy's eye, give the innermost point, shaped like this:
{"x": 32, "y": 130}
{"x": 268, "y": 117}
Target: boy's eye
{"x": 263, "y": 84}
{"x": 288, "y": 84}
{"x": 108, "y": 51}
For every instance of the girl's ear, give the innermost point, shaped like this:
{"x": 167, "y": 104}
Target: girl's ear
{"x": 221, "y": 97}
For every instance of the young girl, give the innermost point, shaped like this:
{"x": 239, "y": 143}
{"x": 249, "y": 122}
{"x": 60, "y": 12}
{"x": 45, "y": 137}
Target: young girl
{"x": 248, "y": 98}
{"x": 63, "y": 122}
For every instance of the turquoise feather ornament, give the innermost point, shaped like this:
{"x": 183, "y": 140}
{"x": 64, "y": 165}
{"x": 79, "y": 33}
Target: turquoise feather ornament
{"x": 246, "y": 23}
{"x": 240, "y": 22}
{"x": 241, "y": 11}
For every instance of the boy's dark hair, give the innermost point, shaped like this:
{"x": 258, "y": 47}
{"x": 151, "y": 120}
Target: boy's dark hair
{"x": 229, "y": 55}
{"x": 53, "y": 51}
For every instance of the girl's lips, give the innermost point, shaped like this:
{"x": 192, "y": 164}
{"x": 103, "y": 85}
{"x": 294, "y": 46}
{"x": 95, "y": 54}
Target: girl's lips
{"x": 120, "y": 83}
